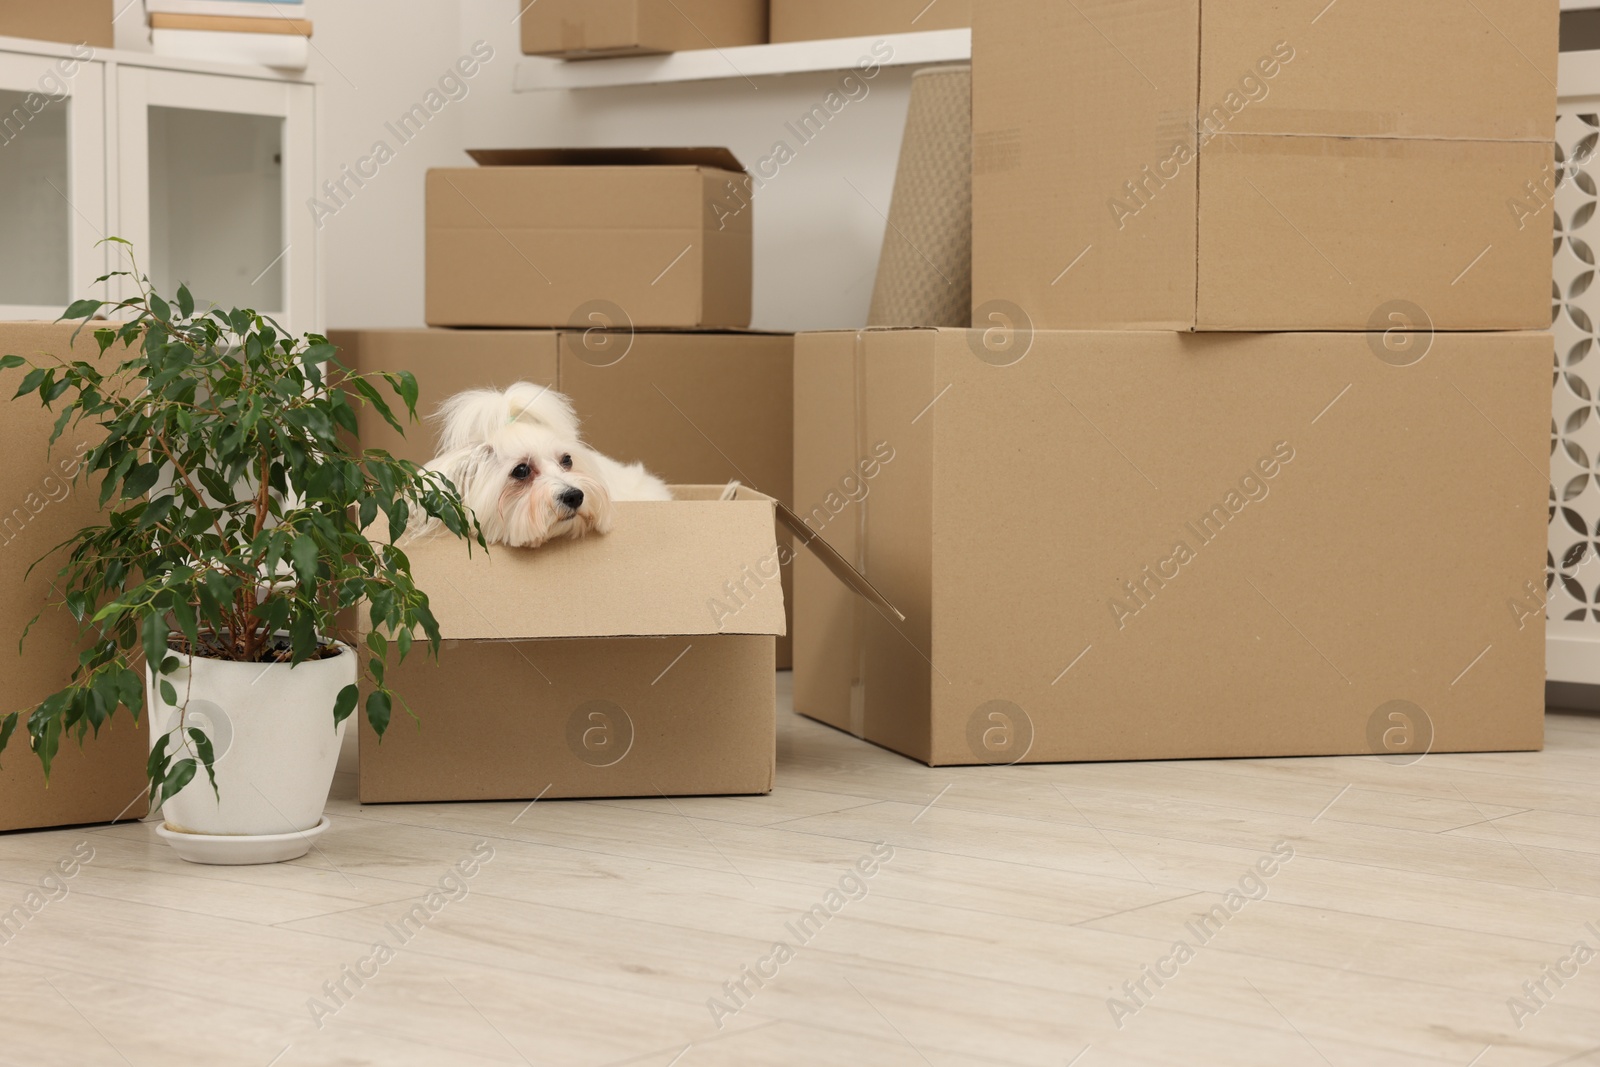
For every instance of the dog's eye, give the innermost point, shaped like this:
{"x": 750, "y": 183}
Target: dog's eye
{"x": 566, "y": 462}
{"x": 521, "y": 472}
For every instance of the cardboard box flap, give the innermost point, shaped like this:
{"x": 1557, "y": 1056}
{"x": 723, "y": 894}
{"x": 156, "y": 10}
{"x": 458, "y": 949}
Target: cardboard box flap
{"x": 665, "y": 569}
{"x": 837, "y": 565}
{"x": 700, "y": 564}
{"x": 712, "y": 158}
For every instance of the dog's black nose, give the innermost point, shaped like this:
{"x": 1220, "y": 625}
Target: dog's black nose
{"x": 572, "y": 499}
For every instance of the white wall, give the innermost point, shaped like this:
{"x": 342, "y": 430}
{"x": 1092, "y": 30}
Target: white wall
{"x": 817, "y": 238}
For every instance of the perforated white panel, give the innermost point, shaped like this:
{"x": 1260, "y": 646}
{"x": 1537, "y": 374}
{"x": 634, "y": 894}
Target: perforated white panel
{"x": 1572, "y": 567}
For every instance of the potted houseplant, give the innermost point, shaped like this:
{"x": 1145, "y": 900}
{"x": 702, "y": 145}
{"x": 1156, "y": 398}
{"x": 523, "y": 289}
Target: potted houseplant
{"x": 236, "y": 510}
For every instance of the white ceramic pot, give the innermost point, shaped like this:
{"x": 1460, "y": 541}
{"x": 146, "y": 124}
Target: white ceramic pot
{"x": 271, "y": 727}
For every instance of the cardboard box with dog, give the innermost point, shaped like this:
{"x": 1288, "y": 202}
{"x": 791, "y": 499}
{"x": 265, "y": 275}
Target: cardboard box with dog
{"x": 696, "y": 408}
{"x": 639, "y": 663}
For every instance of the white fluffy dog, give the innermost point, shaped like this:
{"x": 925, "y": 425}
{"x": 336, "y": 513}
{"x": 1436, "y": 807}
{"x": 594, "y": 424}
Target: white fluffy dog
{"x": 521, "y": 466}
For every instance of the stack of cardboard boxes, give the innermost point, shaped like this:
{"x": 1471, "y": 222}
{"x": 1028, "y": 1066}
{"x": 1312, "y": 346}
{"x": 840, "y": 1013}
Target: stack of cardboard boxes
{"x": 1126, "y": 521}
{"x": 641, "y": 662}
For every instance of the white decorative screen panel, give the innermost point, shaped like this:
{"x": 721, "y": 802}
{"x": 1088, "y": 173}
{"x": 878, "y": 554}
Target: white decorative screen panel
{"x": 1572, "y": 566}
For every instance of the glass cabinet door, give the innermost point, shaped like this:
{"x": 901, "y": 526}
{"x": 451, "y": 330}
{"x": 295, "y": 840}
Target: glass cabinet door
{"x": 52, "y": 181}
{"x": 210, "y": 166}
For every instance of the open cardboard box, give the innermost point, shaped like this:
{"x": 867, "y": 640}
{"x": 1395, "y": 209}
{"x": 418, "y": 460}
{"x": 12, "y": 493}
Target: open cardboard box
{"x": 647, "y": 238}
{"x": 1132, "y": 546}
{"x": 638, "y": 663}
{"x": 1235, "y": 165}
{"x": 695, "y": 408}
{"x": 103, "y": 780}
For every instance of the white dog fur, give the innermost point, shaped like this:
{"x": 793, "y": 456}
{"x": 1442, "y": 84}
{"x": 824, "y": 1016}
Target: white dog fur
{"x": 521, "y": 466}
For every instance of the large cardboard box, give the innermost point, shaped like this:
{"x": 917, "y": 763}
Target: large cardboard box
{"x": 1239, "y": 165}
{"x": 68, "y": 21}
{"x": 1130, "y": 546}
{"x": 696, "y": 408}
{"x": 811, "y": 20}
{"x": 40, "y": 506}
{"x": 635, "y": 664}
{"x": 584, "y": 28}
{"x": 583, "y": 237}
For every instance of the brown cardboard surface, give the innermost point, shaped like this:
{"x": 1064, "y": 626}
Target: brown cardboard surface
{"x": 40, "y": 507}
{"x": 445, "y": 362}
{"x": 1374, "y": 68}
{"x": 231, "y": 24}
{"x": 652, "y": 575}
{"x": 696, "y": 408}
{"x": 1423, "y": 226}
{"x": 664, "y": 628}
{"x": 516, "y": 720}
{"x": 68, "y": 21}
{"x": 1377, "y": 566}
{"x": 811, "y": 20}
{"x": 622, "y": 242}
{"x": 1211, "y": 141}
{"x": 581, "y": 28}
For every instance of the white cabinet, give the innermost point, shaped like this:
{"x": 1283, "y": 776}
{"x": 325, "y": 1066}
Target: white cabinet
{"x": 209, "y": 175}
{"x": 52, "y": 181}
{"x": 205, "y": 168}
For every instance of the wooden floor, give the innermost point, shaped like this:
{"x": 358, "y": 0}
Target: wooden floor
{"x": 1418, "y": 901}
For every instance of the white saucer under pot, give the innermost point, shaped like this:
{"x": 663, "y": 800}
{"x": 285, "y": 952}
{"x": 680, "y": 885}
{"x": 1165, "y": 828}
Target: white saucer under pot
{"x": 241, "y": 849}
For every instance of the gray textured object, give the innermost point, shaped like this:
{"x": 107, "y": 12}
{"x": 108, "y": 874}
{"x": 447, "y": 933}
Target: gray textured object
{"x": 925, "y": 271}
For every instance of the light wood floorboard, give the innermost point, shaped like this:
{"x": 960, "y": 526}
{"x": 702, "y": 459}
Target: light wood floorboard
{"x": 1018, "y": 902}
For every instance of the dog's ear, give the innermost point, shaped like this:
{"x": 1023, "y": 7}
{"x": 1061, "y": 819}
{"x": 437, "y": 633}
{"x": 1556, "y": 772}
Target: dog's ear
{"x": 540, "y": 405}
{"x": 465, "y": 467}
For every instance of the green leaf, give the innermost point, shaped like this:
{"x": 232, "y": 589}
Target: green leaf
{"x": 156, "y": 511}
{"x": 8, "y": 362}
{"x": 82, "y": 309}
{"x": 185, "y": 302}
{"x": 140, "y": 480}
{"x": 378, "y": 707}
{"x": 303, "y": 554}
{"x": 30, "y": 381}
{"x": 343, "y": 705}
{"x": 169, "y": 693}
{"x": 371, "y": 396}
{"x": 154, "y": 634}
{"x": 181, "y": 774}
{"x": 155, "y": 766}
{"x": 47, "y": 741}
{"x": 208, "y": 757}
{"x": 47, "y": 735}
{"x": 8, "y": 725}
{"x": 406, "y": 384}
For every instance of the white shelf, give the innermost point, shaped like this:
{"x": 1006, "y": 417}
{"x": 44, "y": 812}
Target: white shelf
{"x": 537, "y": 74}
{"x": 1579, "y": 5}
{"x": 127, "y": 58}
